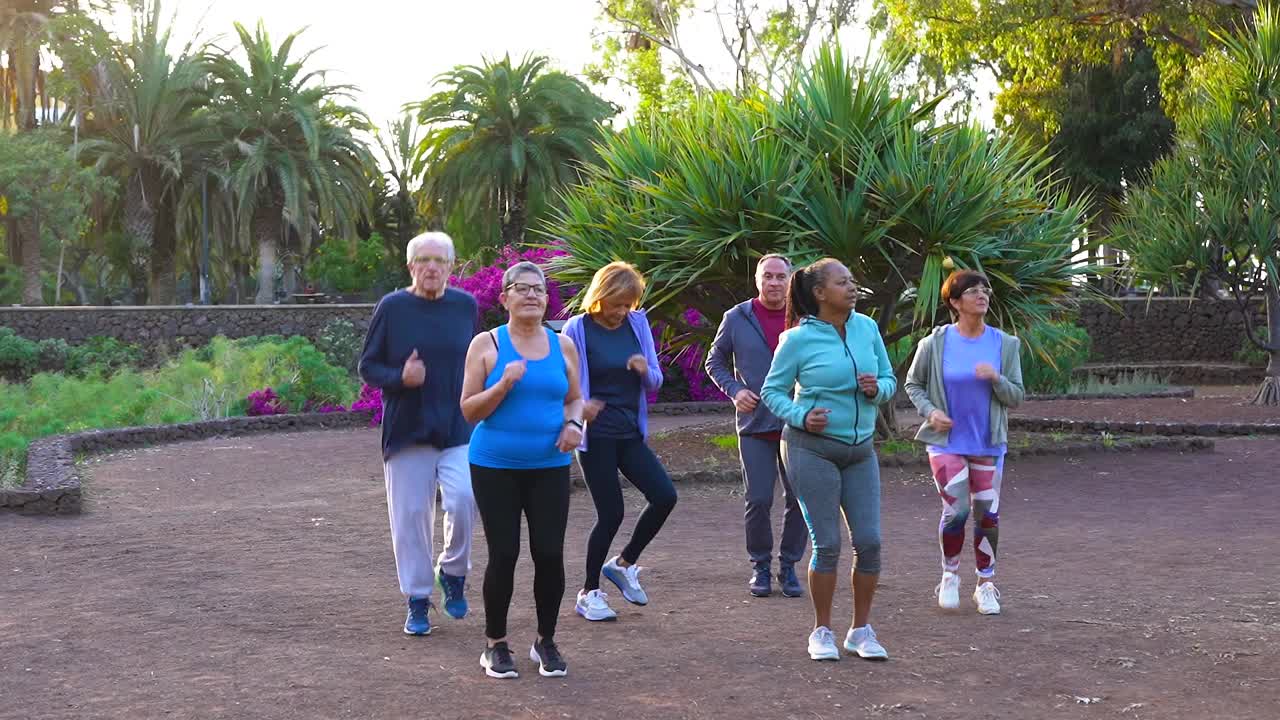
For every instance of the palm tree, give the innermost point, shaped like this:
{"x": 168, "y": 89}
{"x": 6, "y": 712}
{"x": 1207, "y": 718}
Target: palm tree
{"x": 152, "y": 131}
{"x": 401, "y": 212}
{"x": 290, "y": 156}
{"x": 500, "y": 134}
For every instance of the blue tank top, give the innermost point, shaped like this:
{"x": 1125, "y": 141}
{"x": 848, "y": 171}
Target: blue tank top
{"x": 521, "y": 433}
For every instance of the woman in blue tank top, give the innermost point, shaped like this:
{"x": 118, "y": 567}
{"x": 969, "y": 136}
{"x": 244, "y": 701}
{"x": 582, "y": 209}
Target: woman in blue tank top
{"x": 521, "y": 387}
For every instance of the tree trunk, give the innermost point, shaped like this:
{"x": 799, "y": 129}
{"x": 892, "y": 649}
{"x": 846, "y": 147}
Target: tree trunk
{"x": 266, "y": 233}
{"x": 515, "y": 215}
{"x": 32, "y": 288}
{"x": 148, "y": 218}
{"x": 1269, "y": 392}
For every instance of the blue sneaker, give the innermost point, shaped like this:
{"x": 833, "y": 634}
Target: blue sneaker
{"x": 791, "y": 586}
{"x": 628, "y": 581}
{"x": 417, "y": 623}
{"x": 761, "y": 583}
{"x": 455, "y": 603}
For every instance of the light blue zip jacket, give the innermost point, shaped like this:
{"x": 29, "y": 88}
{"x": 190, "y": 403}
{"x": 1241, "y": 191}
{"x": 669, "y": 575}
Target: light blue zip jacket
{"x": 814, "y": 368}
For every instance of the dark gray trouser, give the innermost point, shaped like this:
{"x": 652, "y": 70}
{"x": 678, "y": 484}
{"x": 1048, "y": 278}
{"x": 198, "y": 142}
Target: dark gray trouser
{"x": 761, "y": 469}
{"x": 831, "y": 477}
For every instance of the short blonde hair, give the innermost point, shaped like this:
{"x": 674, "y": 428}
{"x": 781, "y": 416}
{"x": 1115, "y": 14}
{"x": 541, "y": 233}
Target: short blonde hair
{"x": 411, "y": 250}
{"x": 612, "y": 282}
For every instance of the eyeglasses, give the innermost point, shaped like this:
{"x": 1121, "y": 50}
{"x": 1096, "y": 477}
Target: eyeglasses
{"x": 427, "y": 259}
{"x": 527, "y": 289}
{"x": 977, "y": 290}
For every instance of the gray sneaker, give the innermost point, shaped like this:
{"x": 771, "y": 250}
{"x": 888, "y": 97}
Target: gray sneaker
{"x": 822, "y": 645}
{"x": 862, "y": 642}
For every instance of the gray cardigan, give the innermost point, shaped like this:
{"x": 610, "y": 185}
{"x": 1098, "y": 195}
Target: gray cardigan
{"x": 924, "y": 386}
{"x": 740, "y": 358}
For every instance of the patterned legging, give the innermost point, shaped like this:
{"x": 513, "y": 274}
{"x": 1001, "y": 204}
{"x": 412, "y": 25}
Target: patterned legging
{"x": 962, "y": 479}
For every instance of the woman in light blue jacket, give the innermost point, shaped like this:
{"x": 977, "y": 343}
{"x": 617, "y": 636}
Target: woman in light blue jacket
{"x": 829, "y": 374}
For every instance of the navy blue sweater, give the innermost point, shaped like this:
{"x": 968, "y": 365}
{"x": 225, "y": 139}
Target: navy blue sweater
{"x": 440, "y": 330}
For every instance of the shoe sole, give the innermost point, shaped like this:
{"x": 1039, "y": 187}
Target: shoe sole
{"x": 829, "y": 658}
{"x": 416, "y": 634}
{"x": 792, "y": 594}
{"x": 878, "y": 658}
{"x": 945, "y": 606}
{"x": 756, "y": 593}
{"x": 988, "y": 612}
{"x": 611, "y": 618}
{"x": 510, "y": 675}
{"x": 622, "y": 590}
{"x": 533, "y": 655}
{"x": 456, "y": 617}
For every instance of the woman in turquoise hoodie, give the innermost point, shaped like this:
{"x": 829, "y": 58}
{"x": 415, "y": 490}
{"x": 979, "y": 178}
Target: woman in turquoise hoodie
{"x": 829, "y": 374}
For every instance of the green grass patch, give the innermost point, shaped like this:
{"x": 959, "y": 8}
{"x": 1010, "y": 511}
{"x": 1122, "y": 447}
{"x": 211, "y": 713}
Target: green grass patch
{"x": 725, "y": 442}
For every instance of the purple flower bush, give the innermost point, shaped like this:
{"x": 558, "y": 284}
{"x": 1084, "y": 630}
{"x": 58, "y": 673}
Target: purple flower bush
{"x": 370, "y": 400}
{"x": 264, "y": 402}
{"x": 486, "y": 284}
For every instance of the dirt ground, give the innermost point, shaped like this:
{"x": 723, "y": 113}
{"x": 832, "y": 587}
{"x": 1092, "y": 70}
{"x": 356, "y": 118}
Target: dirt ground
{"x": 253, "y": 578}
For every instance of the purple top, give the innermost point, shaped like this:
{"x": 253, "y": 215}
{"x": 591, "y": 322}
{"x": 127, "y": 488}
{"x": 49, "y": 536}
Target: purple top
{"x": 968, "y": 396}
{"x": 652, "y": 380}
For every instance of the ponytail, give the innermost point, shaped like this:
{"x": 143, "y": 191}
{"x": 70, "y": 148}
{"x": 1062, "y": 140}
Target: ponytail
{"x": 800, "y": 300}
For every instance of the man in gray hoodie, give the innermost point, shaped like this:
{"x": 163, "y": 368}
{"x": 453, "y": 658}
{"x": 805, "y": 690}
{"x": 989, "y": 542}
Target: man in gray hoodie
{"x": 738, "y": 363}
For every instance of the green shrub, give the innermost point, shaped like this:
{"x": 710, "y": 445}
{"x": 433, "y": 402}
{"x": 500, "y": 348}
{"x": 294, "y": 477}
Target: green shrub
{"x": 101, "y": 355}
{"x": 1251, "y": 354}
{"x": 337, "y": 265}
{"x": 341, "y": 344}
{"x": 1134, "y": 383}
{"x": 1050, "y": 352}
{"x": 293, "y": 367}
{"x": 52, "y": 354}
{"x": 18, "y": 355}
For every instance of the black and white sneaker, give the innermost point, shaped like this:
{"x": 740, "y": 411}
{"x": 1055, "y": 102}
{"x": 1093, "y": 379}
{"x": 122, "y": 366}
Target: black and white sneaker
{"x": 498, "y": 663}
{"x": 547, "y": 655}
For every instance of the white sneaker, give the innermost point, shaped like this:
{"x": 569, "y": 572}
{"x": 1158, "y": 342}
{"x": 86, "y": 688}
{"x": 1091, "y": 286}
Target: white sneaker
{"x": 627, "y": 579}
{"x": 948, "y": 591}
{"x": 987, "y": 597}
{"x": 862, "y": 642}
{"x": 594, "y": 606}
{"x": 822, "y": 645}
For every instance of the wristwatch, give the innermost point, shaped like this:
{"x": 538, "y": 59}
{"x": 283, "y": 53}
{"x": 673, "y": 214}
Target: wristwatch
{"x": 575, "y": 423}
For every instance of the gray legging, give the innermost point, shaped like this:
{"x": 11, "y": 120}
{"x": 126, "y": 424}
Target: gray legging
{"x": 829, "y": 476}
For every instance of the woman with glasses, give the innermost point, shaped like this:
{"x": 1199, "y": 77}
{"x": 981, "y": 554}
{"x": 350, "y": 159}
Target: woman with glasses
{"x": 618, "y": 365}
{"x": 521, "y": 387}
{"x": 955, "y": 385}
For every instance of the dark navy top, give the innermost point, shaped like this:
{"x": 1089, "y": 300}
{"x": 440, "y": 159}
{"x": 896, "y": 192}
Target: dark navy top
{"x": 611, "y": 381}
{"x": 440, "y": 330}
{"x": 521, "y": 433}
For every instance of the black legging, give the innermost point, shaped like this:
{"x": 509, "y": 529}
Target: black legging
{"x": 600, "y": 465}
{"x": 543, "y": 497}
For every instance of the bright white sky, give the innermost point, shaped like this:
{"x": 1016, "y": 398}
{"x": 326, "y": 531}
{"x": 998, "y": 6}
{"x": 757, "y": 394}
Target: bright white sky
{"x": 392, "y": 49}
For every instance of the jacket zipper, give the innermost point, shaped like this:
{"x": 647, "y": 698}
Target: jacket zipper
{"x": 857, "y": 413}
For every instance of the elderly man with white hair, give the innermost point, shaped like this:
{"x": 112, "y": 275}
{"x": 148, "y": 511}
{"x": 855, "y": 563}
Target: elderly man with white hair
{"x": 415, "y": 352}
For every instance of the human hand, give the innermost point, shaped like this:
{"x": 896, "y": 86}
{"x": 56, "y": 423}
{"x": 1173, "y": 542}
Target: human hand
{"x": 745, "y": 401}
{"x": 868, "y": 384}
{"x": 414, "y": 373}
{"x": 637, "y": 364}
{"x": 513, "y": 371}
{"x": 986, "y": 372}
{"x": 939, "y": 421}
{"x": 816, "y": 420}
{"x": 591, "y": 408}
{"x": 570, "y": 437}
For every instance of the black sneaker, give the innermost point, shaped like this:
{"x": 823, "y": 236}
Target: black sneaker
{"x": 498, "y": 663}
{"x": 547, "y": 655}
{"x": 791, "y": 586}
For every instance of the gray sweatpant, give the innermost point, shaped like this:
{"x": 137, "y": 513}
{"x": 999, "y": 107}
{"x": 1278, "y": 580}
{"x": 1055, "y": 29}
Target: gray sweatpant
{"x": 412, "y": 476}
{"x": 831, "y": 477}
{"x": 762, "y": 468}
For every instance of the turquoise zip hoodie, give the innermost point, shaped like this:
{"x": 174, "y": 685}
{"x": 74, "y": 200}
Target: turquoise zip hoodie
{"x": 812, "y": 359}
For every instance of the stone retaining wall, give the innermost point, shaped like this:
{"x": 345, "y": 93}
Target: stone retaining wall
{"x": 1165, "y": 329}
{"x": 192, "y": 325}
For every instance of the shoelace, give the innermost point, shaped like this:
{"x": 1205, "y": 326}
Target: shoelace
{"x": 550, "y": 653}
{"x": 502, "y": 655}
{"x": 825, "y": 636}
{"x": 633, "y": 576}
{"x": 989, "y": 592}
{"x": 597, "y": 600}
